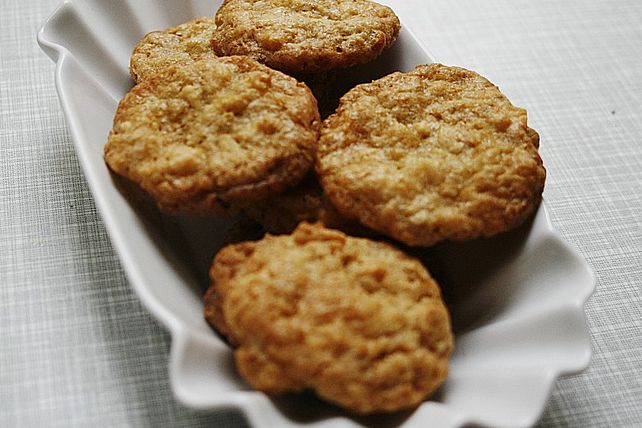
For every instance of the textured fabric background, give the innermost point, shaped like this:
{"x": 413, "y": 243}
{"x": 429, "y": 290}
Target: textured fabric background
{"x": 76, "y": 347}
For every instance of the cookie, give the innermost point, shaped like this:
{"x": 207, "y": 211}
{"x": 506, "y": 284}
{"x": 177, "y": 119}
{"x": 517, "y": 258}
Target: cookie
{"x": 160, "y": 49}
{"x": 301, "y": 36}
{"x": 215, "y": 135}
{"x": 438, "y": 153}
{"x": 357, "y": 321}
{"x": 304, "y": 202}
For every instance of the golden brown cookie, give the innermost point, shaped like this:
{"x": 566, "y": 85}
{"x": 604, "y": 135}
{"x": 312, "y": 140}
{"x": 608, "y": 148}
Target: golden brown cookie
{"x": 357, "y": 321}
{"x": 159, "y": 49}
{"x": 304, "y": 202}
{"x": 302, "y": 36}
{"x": 437, "y": 153}
{"x": 214, "y": 135}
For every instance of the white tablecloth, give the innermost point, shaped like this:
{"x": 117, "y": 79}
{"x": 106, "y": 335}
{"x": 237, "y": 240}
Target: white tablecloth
{"x": 77, "y": 348}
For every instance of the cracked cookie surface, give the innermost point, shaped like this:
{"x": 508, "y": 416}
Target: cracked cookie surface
{"x": 215, "y": 135}
{"x": 357, "y": 321}
{"x": 438, "y": 153}
{"x": 303, "y": 36}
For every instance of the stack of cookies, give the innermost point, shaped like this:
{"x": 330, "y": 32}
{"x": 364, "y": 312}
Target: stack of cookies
{"x": 220, "y": 123}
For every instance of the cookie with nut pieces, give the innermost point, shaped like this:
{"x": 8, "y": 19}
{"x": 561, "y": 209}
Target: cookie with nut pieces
{"x": 303, "y": 36}
{"x": 214, "y": 135}
{"x": 437, "y": 153}
{"x": 357, "y": 321}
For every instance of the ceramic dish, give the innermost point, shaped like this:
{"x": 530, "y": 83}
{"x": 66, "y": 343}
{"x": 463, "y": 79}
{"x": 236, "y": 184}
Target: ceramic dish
{"x": 518, "y": 305}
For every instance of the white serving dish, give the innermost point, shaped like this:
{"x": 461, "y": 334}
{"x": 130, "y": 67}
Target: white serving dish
{"x": 517, "y": 312}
